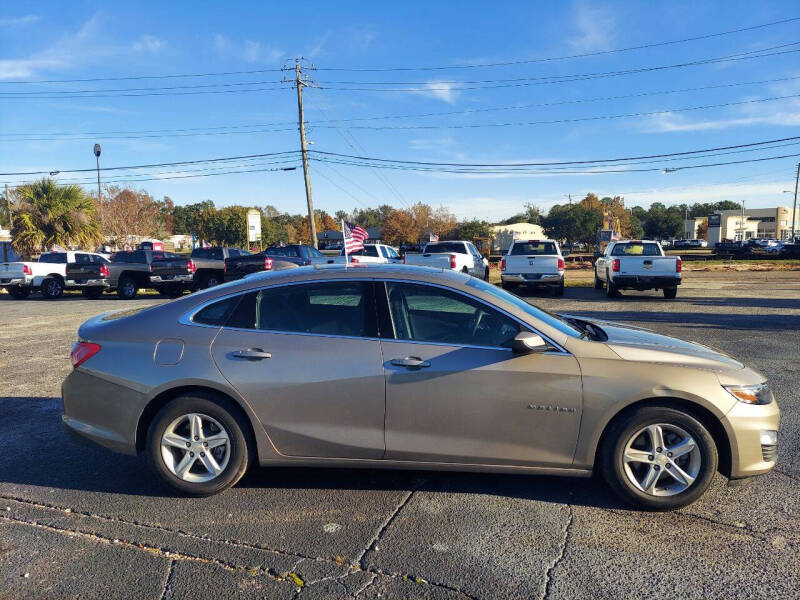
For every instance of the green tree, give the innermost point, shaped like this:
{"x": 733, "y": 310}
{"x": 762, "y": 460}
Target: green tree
{"x": 48, "y": 215}
{"x": 185, "y": 219}
{"x": 574, "y": 222}
{"x": 468, "y": 230}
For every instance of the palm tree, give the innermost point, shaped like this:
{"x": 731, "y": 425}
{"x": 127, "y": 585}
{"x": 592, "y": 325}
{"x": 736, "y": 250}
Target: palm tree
{"x": 48, "y": 215}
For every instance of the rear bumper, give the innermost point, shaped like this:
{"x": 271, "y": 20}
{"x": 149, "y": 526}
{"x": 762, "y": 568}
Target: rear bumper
{"x": 93, "y": 283}
{"x": 15, "y": 282}
{"x": 644, "y": 282}
{"x": 188, "y": 278}
{"x": 751, "y": 453}
{"x": 533, "y": 278}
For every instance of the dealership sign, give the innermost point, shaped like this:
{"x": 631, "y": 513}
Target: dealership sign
{"x": 253, "y": 225}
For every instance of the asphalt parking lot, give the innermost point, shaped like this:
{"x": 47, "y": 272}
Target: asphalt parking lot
{"x": 79, "y": 521}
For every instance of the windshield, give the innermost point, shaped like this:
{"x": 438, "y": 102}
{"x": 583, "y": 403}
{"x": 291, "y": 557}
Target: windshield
{"x": 634, "y": 249}
{"x": 445, "y": 248}
{"x": 532, "y": 248}
{"x": 550, "y": 319}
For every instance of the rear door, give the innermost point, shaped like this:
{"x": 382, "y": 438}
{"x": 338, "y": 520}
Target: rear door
{"x": 307, "y": 358}
{"x": 456, "y": 393}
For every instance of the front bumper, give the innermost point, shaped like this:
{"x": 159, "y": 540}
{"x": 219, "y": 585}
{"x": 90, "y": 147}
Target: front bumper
{"x": 752, "y": 453}
{"x": 645, "y": 282}
{"x": 533, "y": 278}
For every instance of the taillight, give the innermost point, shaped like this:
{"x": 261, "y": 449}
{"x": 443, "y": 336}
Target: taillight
{"x": 81, "y": 352}
{"x": 225, "y": 266}
{"x": 615, "y": 265}
{"x": 404, "y": 259}
{"x": 560, "y": 264}
{"x": 103, "y": 271}
{"x": 502, "y": 264}
{"x": 190, "y": 266}
{"x": 26, "y": 269}
{"x": 452, "y": 261}
{"x": 268, "y": 264}
{"x": 678, "y": 265}
{"x": 307, "y": 262}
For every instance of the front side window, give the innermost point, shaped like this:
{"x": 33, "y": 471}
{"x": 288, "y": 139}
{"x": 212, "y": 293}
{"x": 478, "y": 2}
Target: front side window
{"x": 424, "y": 313}
{"x": 329, "y": 308}
{"x": 391, "y": 252}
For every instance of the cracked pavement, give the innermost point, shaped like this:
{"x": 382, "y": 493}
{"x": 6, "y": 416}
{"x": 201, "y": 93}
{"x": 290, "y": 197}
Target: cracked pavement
{"x": 77, "y": 520}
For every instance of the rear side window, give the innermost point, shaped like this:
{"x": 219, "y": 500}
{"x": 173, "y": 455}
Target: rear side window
{"x": 53, "y": 257}
{"x": 82, "y": 259}
{"x": 533, "y": 248}
{"x": 632, "y": 249}
{"x": 367, "y": 251}
{"x": 445, "y": 248}
{"x": 217, "y": 313}
{"x": 336, "y": 308}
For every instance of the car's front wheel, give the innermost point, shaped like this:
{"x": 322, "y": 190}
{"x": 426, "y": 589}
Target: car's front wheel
{"x": 197, "y": 445}
{"x": 658, "y": 458}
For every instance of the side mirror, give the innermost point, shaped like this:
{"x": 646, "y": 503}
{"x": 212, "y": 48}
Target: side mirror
{"x": 526, "y": 342}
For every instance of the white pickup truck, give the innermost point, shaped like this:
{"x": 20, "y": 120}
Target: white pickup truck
{"x": 457, "y": 256}
{"x": 533, "y": 263}
{"x": 47, "y": 275}
{"x": 637, "y": 265}
{"x": 371, "y": 254}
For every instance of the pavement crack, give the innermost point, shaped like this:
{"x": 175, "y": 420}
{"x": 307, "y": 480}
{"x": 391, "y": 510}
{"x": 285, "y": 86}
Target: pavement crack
{"x": 548, "y": 577}
{"x": 364, "y": 587}
{"x": 168, "y": 582}
{"x": 377, "y": 537}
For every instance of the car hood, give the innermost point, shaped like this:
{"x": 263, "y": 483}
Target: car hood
{"x": 643, "y": 345}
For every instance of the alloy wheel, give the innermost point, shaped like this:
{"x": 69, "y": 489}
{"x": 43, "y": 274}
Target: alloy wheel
{"x": 661, "y": 459}
{"x": 195, "y": 448}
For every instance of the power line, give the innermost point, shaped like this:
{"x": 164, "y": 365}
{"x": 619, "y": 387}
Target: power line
{"x": 567, "y": 57}
{"x": 150, "y": 166}
{"x": 66, "y": 94}
{"x": 575, "y": 162}
{"x": 139, "y": 77}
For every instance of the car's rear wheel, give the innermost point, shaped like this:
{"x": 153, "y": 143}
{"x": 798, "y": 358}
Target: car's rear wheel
{"x": 19, "y": 292}
{"x": 127, "y": 288}
{"x": 92, "y": 293}
{"x": 559, "y": 290}
{"x": 598, "y": 283}
{"x": 670, "y": 293}
{"x": 486, "y": 274}
{"x": 658, "y": 458}
{"x": 197, "y": 445}
{"x": 611, "y": 289}
{"x": 508, "y": 286}
{"x": 52, "y": 288}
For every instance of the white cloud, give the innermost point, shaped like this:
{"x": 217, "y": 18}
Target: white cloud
{"x": 249, "y": 51}
{"x": 220, "y": 42}
{"x": 20, "y": 21}
{"x": 595, "y": 28}
{"x": 441, "y": 90}
{"x": 148, "y": 44}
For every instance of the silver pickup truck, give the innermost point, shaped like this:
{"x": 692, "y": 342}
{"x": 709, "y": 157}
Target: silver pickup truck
{"x": 533, "y": 263}
{"x": 637, "y": 265}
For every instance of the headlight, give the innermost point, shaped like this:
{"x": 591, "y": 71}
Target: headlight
{"x": 751, "y": 394}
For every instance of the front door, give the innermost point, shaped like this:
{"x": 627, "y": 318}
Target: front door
{"x": 307, "y": 359}
{"x": 456, "y": 393}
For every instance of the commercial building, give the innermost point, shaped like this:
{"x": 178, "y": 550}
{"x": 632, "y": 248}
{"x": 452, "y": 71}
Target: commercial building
{"x": 769, "y": 223}
{"x": 503, "y": 235}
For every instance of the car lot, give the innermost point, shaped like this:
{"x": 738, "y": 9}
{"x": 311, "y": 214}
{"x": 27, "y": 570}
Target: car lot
{"x": 81, "y": 521}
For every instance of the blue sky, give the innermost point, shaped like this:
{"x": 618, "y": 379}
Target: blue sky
{"x": 89, "y": 40}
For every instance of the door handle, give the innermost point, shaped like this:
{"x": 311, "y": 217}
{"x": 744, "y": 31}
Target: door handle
{"x": 252, "y": 354}
{"x": 411, "y": 362}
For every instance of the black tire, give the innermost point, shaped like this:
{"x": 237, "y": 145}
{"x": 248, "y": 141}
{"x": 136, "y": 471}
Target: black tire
{"x": 619, "y": 433}
{"x": 219, "y": 409}
{"x": 670, "y": 293}
{"x": 19, "y": 292}
{"x": 486, "y": 274}
{"x": 52, "y": 288}
{"x": 211, "y": 280}
{"x": 510, "y": 287}
{"x": 611, "y": 289}
{"x": 598, "y": 284}
{"x": 465, "y": 270}
{"x": 174, "y": 291}
{"x": 127, "y": 288}
{"x": 559, "y": 291}
{"x": 92, "y": 293}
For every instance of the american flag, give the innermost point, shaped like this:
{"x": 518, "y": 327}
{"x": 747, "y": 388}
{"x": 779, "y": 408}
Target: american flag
{"x": 434, "y": 237}
{"x": 354, "y": 237}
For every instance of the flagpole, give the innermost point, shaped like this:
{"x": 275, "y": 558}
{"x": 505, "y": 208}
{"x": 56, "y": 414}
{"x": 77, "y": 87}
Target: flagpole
{"x": 344, "y": 245}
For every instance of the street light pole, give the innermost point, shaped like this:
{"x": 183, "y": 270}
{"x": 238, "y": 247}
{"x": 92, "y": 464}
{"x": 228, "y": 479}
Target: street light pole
{"x": 99, "y": 193}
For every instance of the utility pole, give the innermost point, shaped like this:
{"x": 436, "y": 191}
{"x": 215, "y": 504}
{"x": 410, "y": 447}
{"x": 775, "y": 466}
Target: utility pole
{"x": 794, "y": 206}
{"x": 8, "y": 205}
{"x": 96, "y": 151}
{"x": 299, "y": 83}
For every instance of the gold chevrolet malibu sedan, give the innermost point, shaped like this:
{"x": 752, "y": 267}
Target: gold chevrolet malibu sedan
{"x": 408, "y": 367}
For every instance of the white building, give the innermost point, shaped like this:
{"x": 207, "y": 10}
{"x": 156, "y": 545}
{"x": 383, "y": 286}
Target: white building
{"x": 770, "y": 223}
{"x": 503, "y": 235}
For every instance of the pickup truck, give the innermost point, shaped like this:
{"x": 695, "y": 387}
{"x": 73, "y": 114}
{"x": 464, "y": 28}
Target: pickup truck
{"x": 300, "y": 254}
{"x": 237, "y": 267}
{"x": 210, "y": 265}
{"x": 637, "y": 265}
{"x": 47, "y": 275}
{"x": 371, "y": 254}
{"x": 129, "y": 271}
{"x": 533, "y": 263}
{"x": 89, "y": 274}
{"x": 457, "y": 256}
